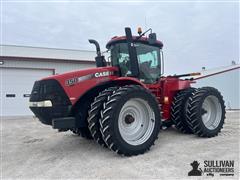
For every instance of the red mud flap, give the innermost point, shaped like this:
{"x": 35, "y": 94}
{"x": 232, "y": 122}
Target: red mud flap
{"x": 64, "y": 123}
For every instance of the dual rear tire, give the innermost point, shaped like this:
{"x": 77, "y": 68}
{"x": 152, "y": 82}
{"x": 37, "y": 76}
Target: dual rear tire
{"x": 206, "y": 112}
{"x": 199, "y": 111}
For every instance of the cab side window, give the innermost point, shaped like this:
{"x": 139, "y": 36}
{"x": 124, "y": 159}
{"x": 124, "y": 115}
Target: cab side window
{"x": 148, "y": 59}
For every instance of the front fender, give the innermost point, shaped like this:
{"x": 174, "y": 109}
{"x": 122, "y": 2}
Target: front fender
{"x": 91, "y": 88}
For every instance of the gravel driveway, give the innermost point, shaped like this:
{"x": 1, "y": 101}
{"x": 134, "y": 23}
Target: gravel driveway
{"x": 32, "y": 150}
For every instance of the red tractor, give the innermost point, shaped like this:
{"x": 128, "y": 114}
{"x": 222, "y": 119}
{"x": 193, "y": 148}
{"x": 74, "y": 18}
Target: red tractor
{"x": 123, "y": 103}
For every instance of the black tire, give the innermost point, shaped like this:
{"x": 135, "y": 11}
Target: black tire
{"x": 94, "y": 114}
{"x": 195, "y": 112}
{"x": 109, "y": 121}
{"x": 178, "y": 110}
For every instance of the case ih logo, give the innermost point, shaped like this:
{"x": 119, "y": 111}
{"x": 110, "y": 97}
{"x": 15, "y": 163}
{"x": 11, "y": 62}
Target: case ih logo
{"x": 103, "y": 74}
{"x": 75, "y": 80}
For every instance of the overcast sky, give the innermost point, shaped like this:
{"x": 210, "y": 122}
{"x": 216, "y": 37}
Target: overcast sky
{"x": 194, "y": 34}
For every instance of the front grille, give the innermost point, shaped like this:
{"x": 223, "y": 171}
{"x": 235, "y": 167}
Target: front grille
{"x": 50, "y": 90}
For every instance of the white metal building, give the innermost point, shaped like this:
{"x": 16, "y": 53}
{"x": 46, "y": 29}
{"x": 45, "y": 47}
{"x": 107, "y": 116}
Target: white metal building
{"x": 20, "y": 66}
{"x": 226, "y": 80}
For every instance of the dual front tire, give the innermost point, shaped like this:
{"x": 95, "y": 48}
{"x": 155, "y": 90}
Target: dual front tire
{"x": 125, "y": 119}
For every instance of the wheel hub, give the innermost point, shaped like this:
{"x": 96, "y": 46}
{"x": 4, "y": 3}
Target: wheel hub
{"x": 129, "y": 119}
{"x": 204, "y": 111}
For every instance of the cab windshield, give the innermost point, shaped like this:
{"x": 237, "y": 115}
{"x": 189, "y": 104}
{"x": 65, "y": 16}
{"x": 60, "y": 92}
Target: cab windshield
{"x": 148, "y": 60}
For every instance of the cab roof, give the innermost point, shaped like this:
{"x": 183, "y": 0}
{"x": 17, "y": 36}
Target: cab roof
{"x": 144, "y": 40}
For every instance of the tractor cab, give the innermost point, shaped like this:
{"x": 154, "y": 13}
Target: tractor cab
{"x": 137, "y": 56}
{"x": 140, "y": 57}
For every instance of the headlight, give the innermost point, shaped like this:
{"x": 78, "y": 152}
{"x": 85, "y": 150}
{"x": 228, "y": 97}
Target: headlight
{"x": 46, "y": 103}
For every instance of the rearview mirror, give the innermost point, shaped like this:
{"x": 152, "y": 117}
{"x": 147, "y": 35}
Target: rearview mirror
{"x": 152, "y": 38}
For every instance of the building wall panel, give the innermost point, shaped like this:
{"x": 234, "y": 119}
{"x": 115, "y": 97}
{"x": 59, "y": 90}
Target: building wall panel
{"x": 60, "y": 67}
{"x": 228, "y": 84}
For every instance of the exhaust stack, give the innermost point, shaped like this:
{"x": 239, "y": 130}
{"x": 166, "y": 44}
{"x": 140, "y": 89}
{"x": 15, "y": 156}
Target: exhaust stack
{"x": 100, "y": 60}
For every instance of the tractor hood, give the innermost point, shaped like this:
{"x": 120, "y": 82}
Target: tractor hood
{"x": 76, "y": 83}
{"x": 93, "y": 72}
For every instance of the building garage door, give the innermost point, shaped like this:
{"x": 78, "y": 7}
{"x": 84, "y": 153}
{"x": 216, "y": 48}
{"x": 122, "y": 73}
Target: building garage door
{"x": 16, "y": 86}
